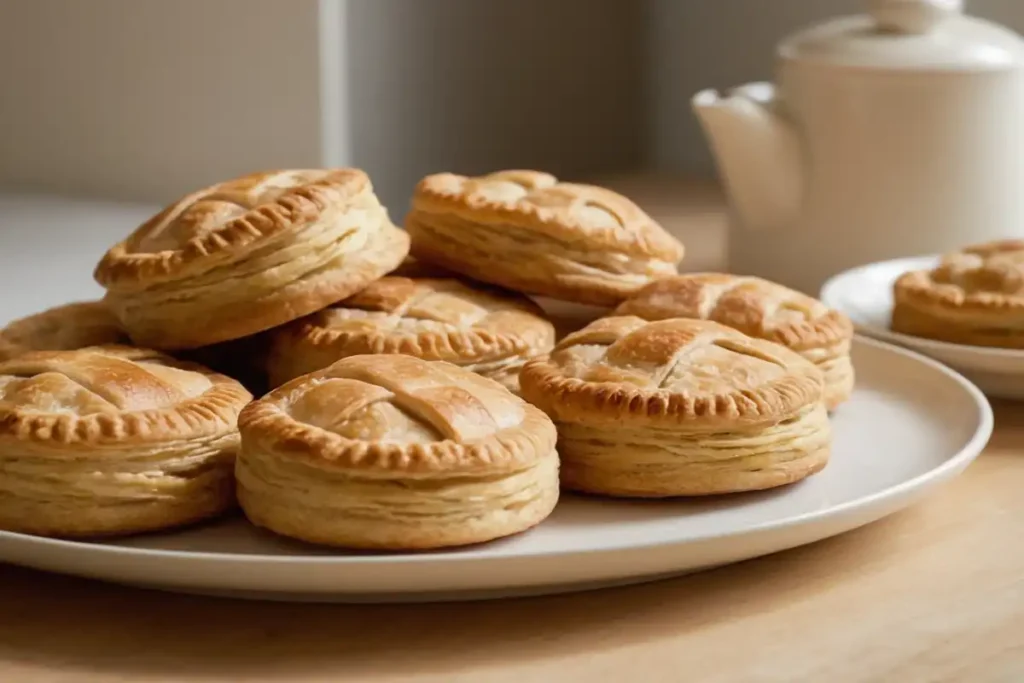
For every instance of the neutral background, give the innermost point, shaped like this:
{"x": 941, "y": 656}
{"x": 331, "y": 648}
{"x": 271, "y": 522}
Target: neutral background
{"x": 146, "y": 99}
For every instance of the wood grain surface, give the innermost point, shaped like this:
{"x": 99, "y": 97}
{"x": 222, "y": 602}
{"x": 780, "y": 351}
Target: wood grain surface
{"x": 935, "y": 593}
{"x": 932, "y": 594}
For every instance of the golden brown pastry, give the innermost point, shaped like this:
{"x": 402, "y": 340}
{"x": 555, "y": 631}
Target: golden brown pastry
{"x": 526, "y": 231}
{"x": 113, "y": 440}
{"x": 679, "y": 408}
{"x": 974, "y": 296}
{"x": 395, "y": 452}
{"x": 249, "y": 254}
{"x": 761, "y": 309}
{"x": 488, "y": 331}
{"x": 62, "y": 328}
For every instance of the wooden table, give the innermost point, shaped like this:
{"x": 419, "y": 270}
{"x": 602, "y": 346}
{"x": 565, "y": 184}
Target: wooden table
{"x": 935, "y": 593}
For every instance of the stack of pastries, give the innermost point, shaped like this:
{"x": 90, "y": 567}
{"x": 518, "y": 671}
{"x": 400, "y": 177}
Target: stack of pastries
{"x": 412, "y": 391}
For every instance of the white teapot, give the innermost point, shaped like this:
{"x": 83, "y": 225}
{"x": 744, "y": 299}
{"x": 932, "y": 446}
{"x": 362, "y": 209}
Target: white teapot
{"x": 892, "y": 134}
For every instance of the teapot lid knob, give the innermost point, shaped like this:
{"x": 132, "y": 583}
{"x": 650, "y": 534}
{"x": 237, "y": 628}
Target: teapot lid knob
{"x": 912, "y": 16}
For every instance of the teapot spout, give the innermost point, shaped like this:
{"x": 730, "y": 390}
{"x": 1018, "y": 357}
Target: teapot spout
{"x": 757, "y": 151}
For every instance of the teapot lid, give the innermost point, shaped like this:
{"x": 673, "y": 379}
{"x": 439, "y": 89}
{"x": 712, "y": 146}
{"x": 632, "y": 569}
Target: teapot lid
{"x": 931, "y": 35}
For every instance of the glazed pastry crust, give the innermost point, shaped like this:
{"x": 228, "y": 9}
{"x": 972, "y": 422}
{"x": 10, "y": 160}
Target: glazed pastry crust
{"x": 395, "y": 452}
{"x": 249, "y": 254}
{"x": 693, "y": 373}
{"x": 758, "y": 308}
{"x": 526, "y": 231}
{"x": 679, "y": 407}
{"x": 62, "y": 328}
{"x": 113, "y": 440}
{"x": 488, "y": 331}
{"x": 974, "y": 296}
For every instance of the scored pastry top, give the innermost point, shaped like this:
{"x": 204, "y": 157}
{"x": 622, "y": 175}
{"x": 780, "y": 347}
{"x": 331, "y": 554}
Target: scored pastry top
{"x": 983, "y": 276}
{"x": 540, "y": 203}
{"x": 398, "y": 414}
{"x": 754, "y": 306}
{"x": 113, "y": 395}
{"x": 62, "y": 328}
{"x": 695, "y": 371}
{"x": 439, "y": 319}
{"x": 211, "y": 227}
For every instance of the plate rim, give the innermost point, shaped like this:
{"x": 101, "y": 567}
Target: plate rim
{"x": 984, "y": 423}
{"x": 827, "y": 297}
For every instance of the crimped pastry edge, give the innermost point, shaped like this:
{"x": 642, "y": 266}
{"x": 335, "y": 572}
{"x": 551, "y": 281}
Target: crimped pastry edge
{"x": 298, "y": 205}
{"x": 213, "y": 412}
{"x": 828, "y": 330}
{"x": 574, "y": 400}
{"x": 459, "y": 347}
{"x": 265, "y": 426}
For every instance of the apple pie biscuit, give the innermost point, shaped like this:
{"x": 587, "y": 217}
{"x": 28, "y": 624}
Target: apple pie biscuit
{"x": 395, "y": 452}
{"x": 679, "y": 407}
{"x": 249, "y": 254}
{"x": 526, "y": 231}
{"x": 974, "y": 296}
{"x": 761, "y": 309}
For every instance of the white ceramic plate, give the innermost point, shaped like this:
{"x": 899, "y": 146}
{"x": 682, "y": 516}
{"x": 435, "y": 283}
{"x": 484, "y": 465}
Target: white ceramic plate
{"x": 911, "y": 425}
{"x": 865, "y": 294}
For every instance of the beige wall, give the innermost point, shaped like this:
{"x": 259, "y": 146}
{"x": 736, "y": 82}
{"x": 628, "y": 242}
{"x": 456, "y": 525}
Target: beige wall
{"x": 697, "y": 44}
{"x": 470, "y": 85}
{"x": 146, "y": 99}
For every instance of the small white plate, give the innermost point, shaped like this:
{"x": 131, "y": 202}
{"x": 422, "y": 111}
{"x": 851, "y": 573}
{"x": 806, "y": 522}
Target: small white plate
{"x": 865, "y": 295}
{"x": 911, "y": 425}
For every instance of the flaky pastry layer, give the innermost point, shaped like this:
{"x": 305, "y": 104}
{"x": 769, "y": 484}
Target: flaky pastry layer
{"x": 994, "y": 331}
{"x": 329, "y": 506}
{"x": 530, "y": 263}
{"x": 527, "y": 231}
{"x": 663, "y": 462}
{"x": 273, "y": 256}
{"x": 112, "y": 491}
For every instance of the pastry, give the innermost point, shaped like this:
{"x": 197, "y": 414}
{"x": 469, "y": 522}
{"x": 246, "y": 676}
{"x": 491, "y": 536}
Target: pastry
{"x": 249, "y": 254}
{"x": 974, "y": 296}
{"x": 761, "y": 309}
{"x": 524, "y": 230}
{"x": 395, "y": 452}
{"x": 679, "y": 407}
{"x": 113, "y": 440}
{"x": 488, "y": 331}
{"x": 63, "y": 328}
